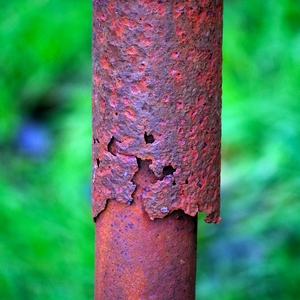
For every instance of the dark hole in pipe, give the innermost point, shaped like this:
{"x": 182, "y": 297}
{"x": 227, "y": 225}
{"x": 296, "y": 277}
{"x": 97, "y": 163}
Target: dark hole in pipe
{"x": 168, "y": 170}
{"x": 144, "y": 164}
{"x": 149, "y": 139}
{"x": 138, "y": 161}
{"x": 112, "y": 147}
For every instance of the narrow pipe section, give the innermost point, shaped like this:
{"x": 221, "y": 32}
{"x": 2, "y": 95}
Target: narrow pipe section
{"x": 137, "y": 258}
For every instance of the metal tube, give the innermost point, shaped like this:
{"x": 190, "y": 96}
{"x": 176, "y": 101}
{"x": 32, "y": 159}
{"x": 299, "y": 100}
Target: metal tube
{"x": 156, "y": 142}
{"x": 137, "y": 258}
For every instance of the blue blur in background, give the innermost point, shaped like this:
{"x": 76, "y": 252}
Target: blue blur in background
{"x": 47, "y": 233}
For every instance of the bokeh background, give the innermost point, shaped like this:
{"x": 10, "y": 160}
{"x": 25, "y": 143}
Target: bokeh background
{"x": 47, "y": 234}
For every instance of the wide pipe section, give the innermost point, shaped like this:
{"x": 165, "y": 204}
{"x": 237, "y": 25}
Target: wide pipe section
{"x": 156, "y": 142}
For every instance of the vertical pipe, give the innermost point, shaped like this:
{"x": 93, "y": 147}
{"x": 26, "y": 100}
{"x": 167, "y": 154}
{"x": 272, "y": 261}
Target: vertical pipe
{"x": 156, "y": 142}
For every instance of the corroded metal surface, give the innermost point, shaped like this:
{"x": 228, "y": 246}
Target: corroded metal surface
{"x": 156, "y": 133}
{"x": 156, "y": 101}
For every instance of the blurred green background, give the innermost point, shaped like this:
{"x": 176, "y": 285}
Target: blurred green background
{"x": 47, "y": 237}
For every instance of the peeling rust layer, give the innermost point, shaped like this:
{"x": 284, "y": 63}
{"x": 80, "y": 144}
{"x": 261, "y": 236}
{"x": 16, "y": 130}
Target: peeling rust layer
{"x": 157, "y": 99}
{"x": 137, "y": 258}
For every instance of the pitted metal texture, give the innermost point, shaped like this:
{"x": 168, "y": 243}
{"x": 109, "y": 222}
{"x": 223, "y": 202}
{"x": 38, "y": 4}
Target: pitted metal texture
{"x": 157, "y": 100}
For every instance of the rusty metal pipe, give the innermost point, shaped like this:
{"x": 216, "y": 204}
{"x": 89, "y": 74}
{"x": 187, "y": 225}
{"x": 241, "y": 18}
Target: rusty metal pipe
{"x": 156, "y": 142}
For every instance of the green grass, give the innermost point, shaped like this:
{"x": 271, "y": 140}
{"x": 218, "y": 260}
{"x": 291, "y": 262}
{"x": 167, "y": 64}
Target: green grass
{"x": 47, "y": 235}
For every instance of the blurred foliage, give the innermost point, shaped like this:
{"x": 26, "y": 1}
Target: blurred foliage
{"x": 254, "y": 252}
{"x": 46, "y": 239}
